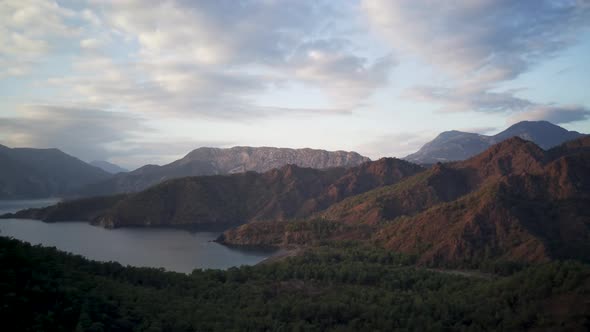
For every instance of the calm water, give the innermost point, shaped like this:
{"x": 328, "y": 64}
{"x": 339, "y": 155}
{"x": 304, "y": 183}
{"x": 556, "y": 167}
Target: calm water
{"x": 172, "y": 249}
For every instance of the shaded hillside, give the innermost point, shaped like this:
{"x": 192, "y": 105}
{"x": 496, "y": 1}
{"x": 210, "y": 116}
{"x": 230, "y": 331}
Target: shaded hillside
{"x": 519, "y": 218}
{"x": 39, "y": 173}
{"x": 456, "y": 145}
{"x": 341, "y": 288}
{"x": 214, "y": 161}
{"x": 280, "y": 194}
{"x": 441, "y": 183}
{"x": 513, "y": 202}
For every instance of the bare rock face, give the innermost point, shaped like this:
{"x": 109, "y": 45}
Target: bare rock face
{"x": 241, "y": 159}
{"x": 216, "y": 161}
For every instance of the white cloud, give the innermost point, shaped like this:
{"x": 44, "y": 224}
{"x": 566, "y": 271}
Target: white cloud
{"x": 27, "y": 29}
{"x": 212, "y": 59}
{"x": 466, "y": 99}
{"x": 347, "y": 78}
{"x": 83, "y": 132}
{"x": 486, "y": 40}
{"x": 478, "y": 44}
{"x": 396, "y": 145}
{"x": 91, "y": 43}
{"x": 555, "y": 114}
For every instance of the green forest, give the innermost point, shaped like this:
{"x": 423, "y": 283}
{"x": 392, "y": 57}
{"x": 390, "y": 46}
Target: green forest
{"x": 340, "y": 287}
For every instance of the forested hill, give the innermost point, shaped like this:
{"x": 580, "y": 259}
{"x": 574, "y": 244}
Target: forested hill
{"x": 514, "y": 201}
{"x": 227, "y": 200}
{"x": 345, "y": 288}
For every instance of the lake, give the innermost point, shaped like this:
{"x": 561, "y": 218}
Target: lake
{"x": 173, "y": 249}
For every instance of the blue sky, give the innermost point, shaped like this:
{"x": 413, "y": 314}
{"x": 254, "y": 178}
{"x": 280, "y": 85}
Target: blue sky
{"x": 136, "y": 82}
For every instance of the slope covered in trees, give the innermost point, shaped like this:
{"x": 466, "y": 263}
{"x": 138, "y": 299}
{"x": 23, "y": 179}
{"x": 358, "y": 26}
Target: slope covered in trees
{"x": 513, "y": 202}
{"x": 223, "y": 201}
{"x": 344, "y": 288}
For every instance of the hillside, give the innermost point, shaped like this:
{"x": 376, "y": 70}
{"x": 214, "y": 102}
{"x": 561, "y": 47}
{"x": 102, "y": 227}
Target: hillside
{"x": 326, "y": 289}
{"x": 222, "y": 201}
{"x": 215, "y": 161}
{"x": 513, "y": 202}
{"x": 527, "y": 218}
{"x": 27, "y": 173}
{"x": 456, "y": 145}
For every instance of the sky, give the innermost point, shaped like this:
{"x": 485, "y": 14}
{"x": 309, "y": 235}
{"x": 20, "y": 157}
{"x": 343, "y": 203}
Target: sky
{"x": 138, "y": 81}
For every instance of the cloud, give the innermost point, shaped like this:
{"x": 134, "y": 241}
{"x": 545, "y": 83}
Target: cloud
{"x": 397, "y": 145}
{"x": 554, "y": 114}
{"x": 190, "y": 61}
{"x": 476, "y": 45}
{"x": 348, "y": 78}
{"x": 27, "y": 30}
{"x": 94, "y": 134}
{"x": 176, "y": 58}
{"x": 218, "y": 32}
{"x": 466, "y": 99}
{"x": 487, "y": 40}
{"x": 82, "y": 132}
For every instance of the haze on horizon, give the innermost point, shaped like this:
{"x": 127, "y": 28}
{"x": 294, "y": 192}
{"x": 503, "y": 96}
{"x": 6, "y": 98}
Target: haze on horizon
{"x": 136, "y": 82}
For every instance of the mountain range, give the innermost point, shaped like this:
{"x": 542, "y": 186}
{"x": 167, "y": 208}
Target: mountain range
{"x": 27, "y": 173}
{"x": 514, "y": 201}
{"x": 457, "y": 145}
{"x": 216, "y": 161}
{"x": 228, "y": 200}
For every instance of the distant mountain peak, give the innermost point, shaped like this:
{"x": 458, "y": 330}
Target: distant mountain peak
{"x": 456, "y": 145}
{"x": 37, "y": 173}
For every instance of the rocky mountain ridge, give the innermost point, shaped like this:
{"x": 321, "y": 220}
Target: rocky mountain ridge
{"x": 217, "y": 161}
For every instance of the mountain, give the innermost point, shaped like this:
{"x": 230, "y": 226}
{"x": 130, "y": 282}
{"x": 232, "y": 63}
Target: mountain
{"x": 543, "y": 133}
{"x": 37, "y": 173}
{"x": 214, "y": 161}
{"x": 225, "y": 200}
{"x": 523, "y": 218}
{"x": 456, "y": 145}
{"x": 513, "y": 202}
{"x": 108, "y": 167}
